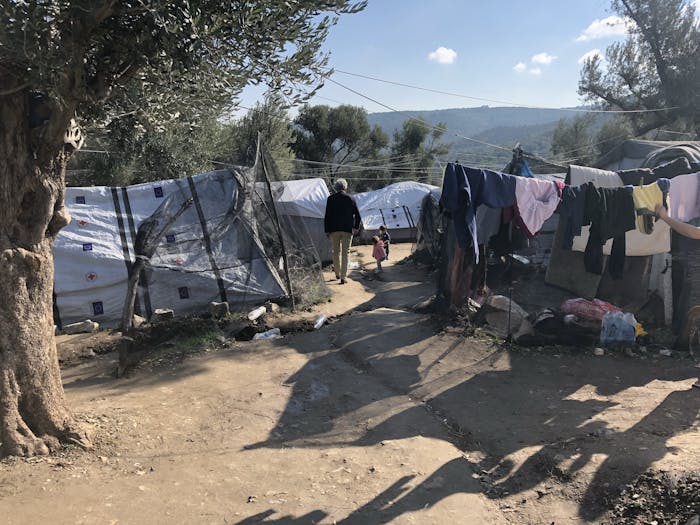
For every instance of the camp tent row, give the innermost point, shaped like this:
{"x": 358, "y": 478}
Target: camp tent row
{"x": 218, "y": 250}
{"x": 223, "y": 248}
{"x": 661, "y": 264}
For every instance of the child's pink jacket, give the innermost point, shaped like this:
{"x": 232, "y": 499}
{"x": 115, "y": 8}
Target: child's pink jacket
{"x": 378, "y": 251}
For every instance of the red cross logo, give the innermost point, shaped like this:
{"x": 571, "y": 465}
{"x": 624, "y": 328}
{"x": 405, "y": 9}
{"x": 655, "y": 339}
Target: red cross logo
{"x": 90, "y": 276}
{"x": 82, "y": 223}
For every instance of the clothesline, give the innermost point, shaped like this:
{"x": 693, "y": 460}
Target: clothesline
{"x": 611, "y": 209}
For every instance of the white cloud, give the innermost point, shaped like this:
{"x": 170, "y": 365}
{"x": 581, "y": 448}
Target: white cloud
{"x": 521, "y": 67}
{"x": 604, "y": 28}
{"x": 590, "y": 54}
{"x": 697, "y": 8}
{"x": 543, "y": 58}
{"x": 443, "y": 55}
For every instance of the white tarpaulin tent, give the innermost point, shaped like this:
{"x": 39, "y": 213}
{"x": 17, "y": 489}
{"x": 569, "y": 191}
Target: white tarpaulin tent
{"x": 302, "y": 198}
{"x": 305, "y": 200}
{"x": 211, "y": 253}
{"x": 397, "y": 206}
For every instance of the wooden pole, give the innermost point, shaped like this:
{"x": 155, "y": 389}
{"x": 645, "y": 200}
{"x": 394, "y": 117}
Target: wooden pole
{"x": 279, "y": 227}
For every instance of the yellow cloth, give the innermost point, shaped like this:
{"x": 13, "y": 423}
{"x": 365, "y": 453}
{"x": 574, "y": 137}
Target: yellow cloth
{"x": 639, "y": 330}
{"x": 646, "y": 199}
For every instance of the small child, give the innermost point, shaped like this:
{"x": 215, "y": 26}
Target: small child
{"x": 378, "y": 252}
{"x": 386, "y": 239}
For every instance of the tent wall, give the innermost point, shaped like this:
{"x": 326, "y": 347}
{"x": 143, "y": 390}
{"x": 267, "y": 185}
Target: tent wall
{"x": 304, "y": 201}
{"x": 647, "y": 154}
{"x": 397, "y": 206}
{"x": 208, "y": 255}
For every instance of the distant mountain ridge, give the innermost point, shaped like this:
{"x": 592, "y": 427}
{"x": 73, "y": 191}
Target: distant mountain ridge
{"x": 501, "y": 126}
{"x": 471, "y": 121}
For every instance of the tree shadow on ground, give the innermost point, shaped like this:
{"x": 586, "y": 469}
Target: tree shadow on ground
{"x": 508, "y": 403}
{"x": 394, "y": 501}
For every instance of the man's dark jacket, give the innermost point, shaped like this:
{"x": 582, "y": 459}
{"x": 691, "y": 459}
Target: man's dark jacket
{"x": 342, "y": 214}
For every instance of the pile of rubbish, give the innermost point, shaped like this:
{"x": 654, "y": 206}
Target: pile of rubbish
{"x": 575, "y": 322}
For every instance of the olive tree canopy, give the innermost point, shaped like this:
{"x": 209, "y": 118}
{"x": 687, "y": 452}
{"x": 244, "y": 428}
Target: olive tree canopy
{"x": 63, "y": 62}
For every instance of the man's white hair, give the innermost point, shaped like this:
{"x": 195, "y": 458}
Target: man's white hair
{"x": 341, "y": 185}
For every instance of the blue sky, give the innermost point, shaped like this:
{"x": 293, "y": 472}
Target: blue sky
{"x": 522, "y": 51}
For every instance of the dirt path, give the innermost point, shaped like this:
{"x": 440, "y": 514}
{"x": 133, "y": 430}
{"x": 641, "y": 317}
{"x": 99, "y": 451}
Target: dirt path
{"x": 375, "y": 418}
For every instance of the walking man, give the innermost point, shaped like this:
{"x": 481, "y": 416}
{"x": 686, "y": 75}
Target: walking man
{"x": 342, "y": 221}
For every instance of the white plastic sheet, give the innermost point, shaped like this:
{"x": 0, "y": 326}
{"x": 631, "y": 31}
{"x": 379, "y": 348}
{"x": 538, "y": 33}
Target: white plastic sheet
{"x": 93, "y": 254}
{"x": 396, "y": 206}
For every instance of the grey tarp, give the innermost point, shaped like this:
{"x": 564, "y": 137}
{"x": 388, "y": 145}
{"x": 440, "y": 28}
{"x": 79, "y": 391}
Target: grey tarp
{"x": 635, "y": 153}
{"x": 230, "y": 245}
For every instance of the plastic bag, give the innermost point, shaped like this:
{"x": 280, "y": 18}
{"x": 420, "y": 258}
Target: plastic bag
{"x": 584, "y": 309}
{"x": 617, "y": 327}
{"x": 273, "y": 333}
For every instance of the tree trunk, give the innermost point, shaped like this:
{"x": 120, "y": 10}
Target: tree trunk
{"x": 34, "y": 417}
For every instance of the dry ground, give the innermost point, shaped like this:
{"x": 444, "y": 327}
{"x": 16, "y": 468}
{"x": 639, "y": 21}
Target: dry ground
{"x": 375, "y": 418}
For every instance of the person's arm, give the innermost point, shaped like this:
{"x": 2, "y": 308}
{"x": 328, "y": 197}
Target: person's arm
{"x": 356, "y": 214}
{"x": 327, "y": 218}
{"x": 687, "y": 230}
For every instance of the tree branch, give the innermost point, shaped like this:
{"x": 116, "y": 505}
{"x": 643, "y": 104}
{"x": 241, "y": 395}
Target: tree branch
{"x": 608, "y": 98}
{"x": 654, "y": 124}
{"x": 661, "y": 65}
{"x": 101, "y": 13}
{"x": 349, "y": 152}
{"x": 14, "y": 90}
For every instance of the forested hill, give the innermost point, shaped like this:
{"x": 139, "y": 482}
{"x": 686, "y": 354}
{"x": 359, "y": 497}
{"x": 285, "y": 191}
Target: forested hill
{"x": 503, "y": 126}
{"x": 471, "y": 121}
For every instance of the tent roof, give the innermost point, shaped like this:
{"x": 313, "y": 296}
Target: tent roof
{"x": 302, "y": 198}
{"x": 396, "y": 205}
{"x": 633, "y": 153}
{"x": 407, "y": 193}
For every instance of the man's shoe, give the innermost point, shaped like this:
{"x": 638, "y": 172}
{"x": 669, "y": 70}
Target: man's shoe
{"x": 342, "y": 281}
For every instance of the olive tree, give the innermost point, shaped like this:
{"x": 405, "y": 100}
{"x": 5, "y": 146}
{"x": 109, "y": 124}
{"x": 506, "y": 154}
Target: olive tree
{"x": 657, "y": 68}
{"x": 63, "y": 62}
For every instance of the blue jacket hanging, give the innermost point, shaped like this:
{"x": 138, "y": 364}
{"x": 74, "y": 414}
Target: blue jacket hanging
{"x": 464, "y": 189}
{"x": 525, "y": 170}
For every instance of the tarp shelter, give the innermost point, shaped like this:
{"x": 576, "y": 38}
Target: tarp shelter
{"x": 635, "y": 153}
{"x": 305, "y": 201}
{"x": 227, "y": 246}
{"x": 648, "y": 266}
{"x": 397, "y": 206}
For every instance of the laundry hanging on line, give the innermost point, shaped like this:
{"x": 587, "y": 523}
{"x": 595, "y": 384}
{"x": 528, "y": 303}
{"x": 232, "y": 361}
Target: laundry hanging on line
{"x": 636, "y": 242}
{"x": 646, "y": 198}
{"x": 610, "y": 214}
{"x": 464, "y": 189}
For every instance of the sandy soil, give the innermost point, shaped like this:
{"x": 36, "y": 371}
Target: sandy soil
{"x": 381, "y": 416}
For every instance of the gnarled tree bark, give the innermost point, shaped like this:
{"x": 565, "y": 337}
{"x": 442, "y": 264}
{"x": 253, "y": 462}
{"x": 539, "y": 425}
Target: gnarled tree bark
{"x": 34, "y": 417}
